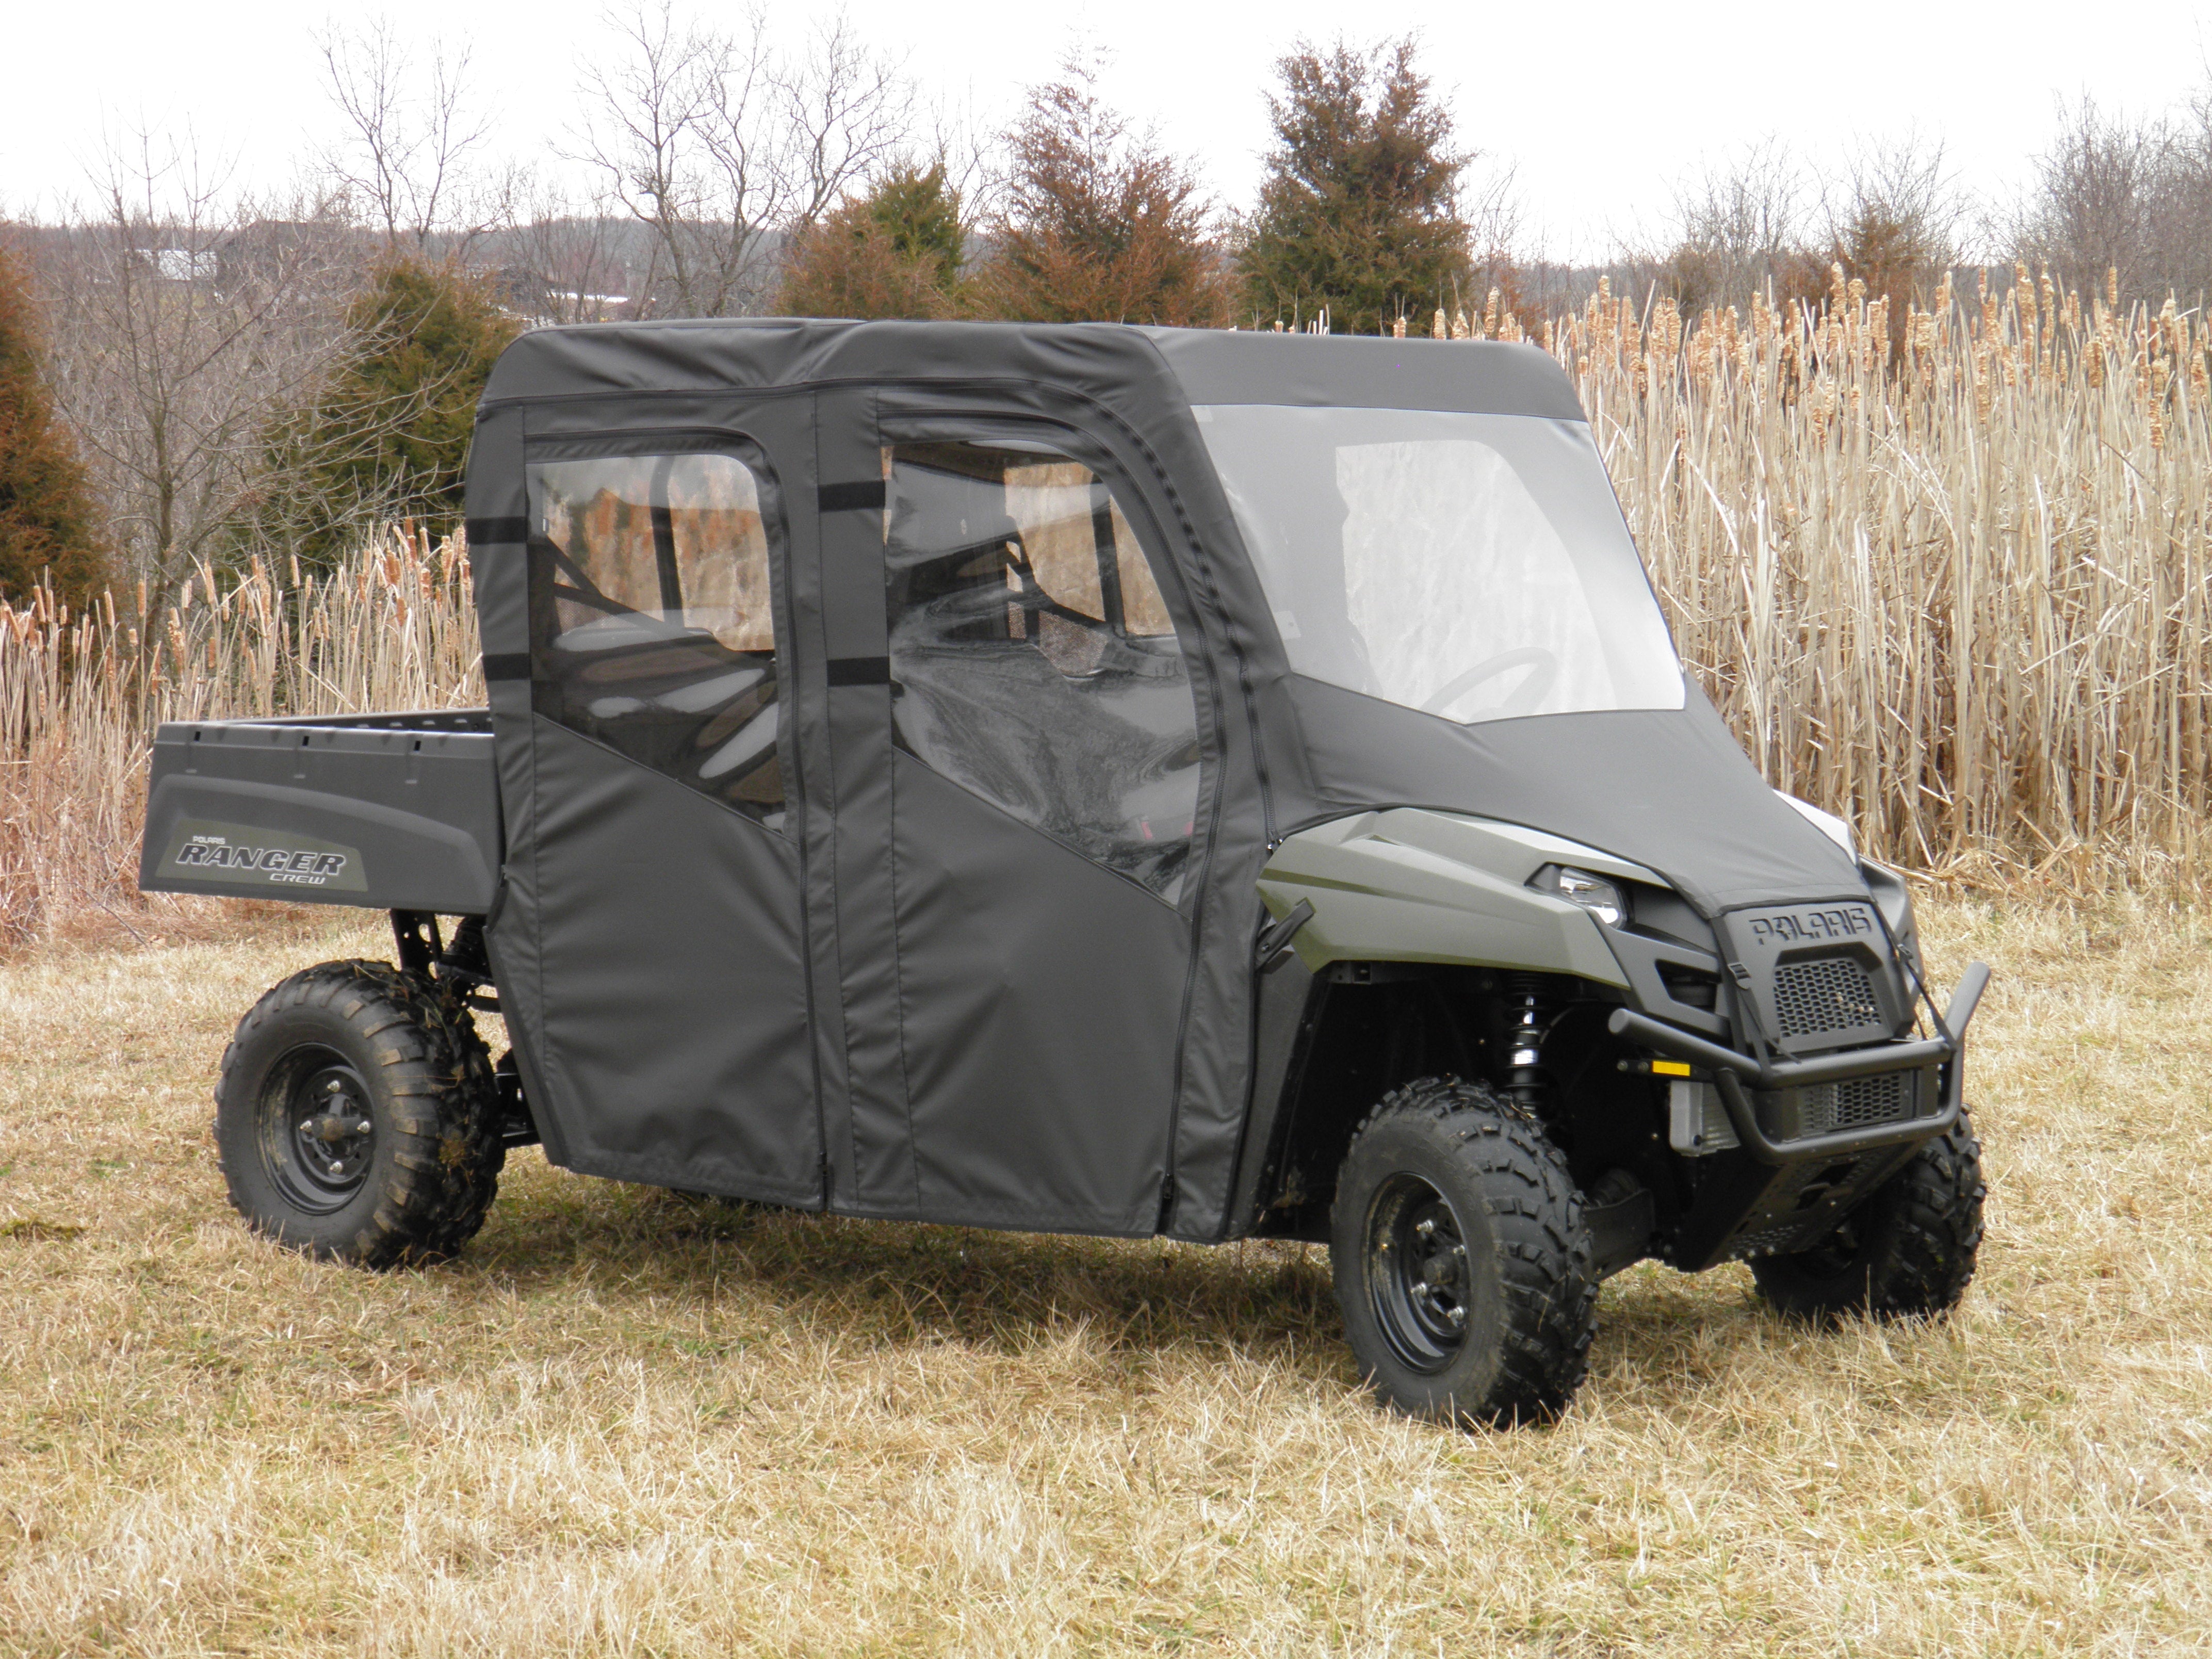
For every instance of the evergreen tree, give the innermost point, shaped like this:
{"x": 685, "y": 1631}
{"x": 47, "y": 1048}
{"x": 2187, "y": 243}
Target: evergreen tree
{"x": 1097, "y": 224}
{"x": 894, "y": 252}
{"x": 1359, "y": 203}
{"x": 47, "y": 522}
{"x": 390, "y": 438}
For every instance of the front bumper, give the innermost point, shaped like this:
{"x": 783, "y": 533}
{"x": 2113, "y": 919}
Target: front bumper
{"x": 1936, "y": 1057}
{"x": 1784, "y": 1192}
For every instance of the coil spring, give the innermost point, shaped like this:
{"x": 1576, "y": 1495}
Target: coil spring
{"x": 1532, "y": 1005}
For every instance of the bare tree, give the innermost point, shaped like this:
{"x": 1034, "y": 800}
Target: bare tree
{"x": 848, "y": 110}
{"x": 571, "y": 256}
{"x": 1896, "y": 223}
{"x": 721, "y": 148}
{"x": 1739, "y": 228}
{"x": 408, "y": 156}
{"x": 653, "y": 136}
{"x": 2095, "y": 206}
{"x": 2183, "y": 246}
{"x": 183, "y": 333}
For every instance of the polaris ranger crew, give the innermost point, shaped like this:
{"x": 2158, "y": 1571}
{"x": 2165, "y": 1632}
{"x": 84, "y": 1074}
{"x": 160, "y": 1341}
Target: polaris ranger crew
{"x": 1090, "y": 779}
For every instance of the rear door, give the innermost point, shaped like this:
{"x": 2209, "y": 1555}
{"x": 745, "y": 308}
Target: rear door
{"x": 1016, "y": 739}
{"x": 658, "y": 877}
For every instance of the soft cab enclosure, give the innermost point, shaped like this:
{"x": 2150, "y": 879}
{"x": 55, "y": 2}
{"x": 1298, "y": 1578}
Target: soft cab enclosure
{"x": 1041, "y": 776}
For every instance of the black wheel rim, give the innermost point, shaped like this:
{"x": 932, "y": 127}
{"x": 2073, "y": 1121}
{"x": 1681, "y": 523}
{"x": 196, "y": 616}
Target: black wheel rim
{"x": 1417, "y": 1282}
{"x": 317, "y": 1134}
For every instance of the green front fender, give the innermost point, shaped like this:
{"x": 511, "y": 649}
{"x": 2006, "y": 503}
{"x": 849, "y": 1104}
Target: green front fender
{"x": 1409, "y": 885}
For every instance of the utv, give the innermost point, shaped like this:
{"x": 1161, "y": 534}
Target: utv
{"x": 1093, "y": 779}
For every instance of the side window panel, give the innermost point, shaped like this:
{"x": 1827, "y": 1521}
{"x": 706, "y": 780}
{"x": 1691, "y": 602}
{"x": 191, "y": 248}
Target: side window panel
{"x": 1033, "y": 662}
{"x": 651, "y": 626}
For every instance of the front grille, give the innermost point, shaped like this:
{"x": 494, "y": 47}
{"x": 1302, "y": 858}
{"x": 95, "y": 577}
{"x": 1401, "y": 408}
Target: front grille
{"x": 1862, "y": 1101}
{"x": 1827, "y": 995}
{"x": 1819, "y": 1109}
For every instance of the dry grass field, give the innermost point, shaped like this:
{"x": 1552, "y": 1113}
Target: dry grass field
{"x": 626, "y": 1423}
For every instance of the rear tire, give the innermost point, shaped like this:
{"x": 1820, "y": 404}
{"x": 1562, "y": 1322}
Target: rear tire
{"x": 357, "y": 1118}
{"x": 1907, "y": 1253}
{"x": 1462, "y": 1258}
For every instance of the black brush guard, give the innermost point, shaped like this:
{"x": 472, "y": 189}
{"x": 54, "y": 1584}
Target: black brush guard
{"x": 1731, "y": 1069}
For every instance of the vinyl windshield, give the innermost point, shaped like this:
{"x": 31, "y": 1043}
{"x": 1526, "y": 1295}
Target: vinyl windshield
{"x": 1475, "y": 566}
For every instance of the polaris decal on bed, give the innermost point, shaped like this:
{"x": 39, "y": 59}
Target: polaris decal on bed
{"x": 234, "y": 854}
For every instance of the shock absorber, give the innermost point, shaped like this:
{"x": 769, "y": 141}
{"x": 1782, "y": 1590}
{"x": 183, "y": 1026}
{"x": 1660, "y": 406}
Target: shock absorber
{"x": 1531, "y": 1006}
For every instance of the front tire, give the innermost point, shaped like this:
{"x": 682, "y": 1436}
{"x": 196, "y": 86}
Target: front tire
{"x": 1462, "y": 1258}
{"x": 1907, "y": 1253}
{"x": 356, "y": 1117}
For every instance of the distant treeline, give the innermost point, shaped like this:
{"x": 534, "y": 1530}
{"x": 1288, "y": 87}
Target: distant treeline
{"x": 189, "y": 379}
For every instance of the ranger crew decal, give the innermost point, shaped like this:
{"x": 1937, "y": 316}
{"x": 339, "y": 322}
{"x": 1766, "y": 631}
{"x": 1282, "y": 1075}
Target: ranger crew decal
{"x": 234, "y": 855}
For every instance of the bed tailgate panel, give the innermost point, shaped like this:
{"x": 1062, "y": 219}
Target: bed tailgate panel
{"x": 398, "y": 814}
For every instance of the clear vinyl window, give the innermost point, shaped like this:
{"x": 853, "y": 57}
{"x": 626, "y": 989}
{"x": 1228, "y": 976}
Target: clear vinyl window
{"x": 1475, "y": 567}
{"x": 1033, "y": 660}
{"x": 652, "y": 628}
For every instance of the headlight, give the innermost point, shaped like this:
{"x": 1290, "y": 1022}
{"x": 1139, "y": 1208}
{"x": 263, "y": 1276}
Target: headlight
{"x": 1594, "y": 893}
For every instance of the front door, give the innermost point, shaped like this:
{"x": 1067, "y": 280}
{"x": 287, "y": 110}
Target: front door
{"x": 1016, "y": 740}
{"x": 657, "y": 875}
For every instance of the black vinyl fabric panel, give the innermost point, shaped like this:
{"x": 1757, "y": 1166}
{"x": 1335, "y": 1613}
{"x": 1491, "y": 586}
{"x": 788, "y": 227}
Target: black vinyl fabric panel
{"x": 849, "y": 816}
{"x": 1327, "y": 371}
{"x": 1667, "y": 788}
{"x": 673, "y": 987}
{"x": 498, "y": 569}
{"x": 1040, "y": 1038}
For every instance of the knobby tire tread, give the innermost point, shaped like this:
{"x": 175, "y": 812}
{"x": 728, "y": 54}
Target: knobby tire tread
{"x": 1920, "y": 1264}
{"x": 437, "y": 1072}
{"x": 1544, "y": 1250}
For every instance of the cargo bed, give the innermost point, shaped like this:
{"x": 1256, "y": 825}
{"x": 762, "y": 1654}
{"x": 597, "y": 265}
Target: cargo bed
{"x": 396, "y": 812}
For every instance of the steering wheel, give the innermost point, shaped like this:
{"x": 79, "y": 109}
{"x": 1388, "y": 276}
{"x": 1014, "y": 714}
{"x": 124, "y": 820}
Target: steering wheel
{"x": 1543, "y": 671}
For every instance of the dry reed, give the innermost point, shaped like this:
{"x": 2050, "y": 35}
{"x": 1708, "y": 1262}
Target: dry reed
{"x": 1946, "y": 575}
{"x": 80, "y": 696}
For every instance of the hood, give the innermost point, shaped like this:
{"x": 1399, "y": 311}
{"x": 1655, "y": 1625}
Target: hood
{"x": 1669, "y": 789}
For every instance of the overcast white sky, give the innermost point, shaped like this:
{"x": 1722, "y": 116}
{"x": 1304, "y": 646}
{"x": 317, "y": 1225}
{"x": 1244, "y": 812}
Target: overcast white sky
{"x": 1599, "y": 109}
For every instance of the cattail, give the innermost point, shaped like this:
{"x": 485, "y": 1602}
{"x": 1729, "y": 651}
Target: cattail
{"x": 1441, "y": 328}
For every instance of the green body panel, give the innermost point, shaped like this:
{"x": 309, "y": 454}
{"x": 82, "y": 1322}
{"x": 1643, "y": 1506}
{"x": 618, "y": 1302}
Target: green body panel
{"x": 1409, "y": 885}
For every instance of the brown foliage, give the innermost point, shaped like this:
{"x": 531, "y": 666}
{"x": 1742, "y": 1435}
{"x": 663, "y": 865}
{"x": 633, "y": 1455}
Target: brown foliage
{"x": 1097, "y": 224}
{"x": 893, "y": 252}
{"x": 859, "y": 273}
{"x": 46, "y": 519}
